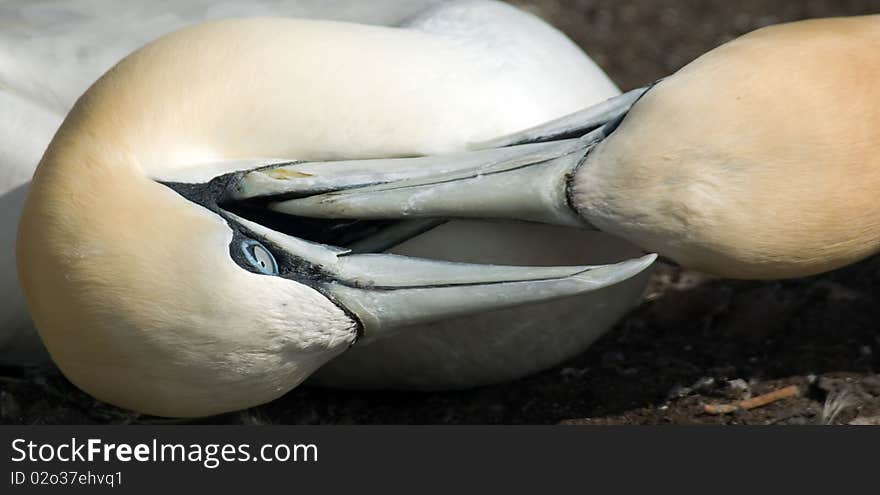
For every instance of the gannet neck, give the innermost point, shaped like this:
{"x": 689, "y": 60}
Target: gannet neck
{"x": 760, "y": 159}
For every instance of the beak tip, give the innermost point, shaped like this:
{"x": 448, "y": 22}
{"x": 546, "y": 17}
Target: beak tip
{"x": 641, "y": 264}
{"x": 608, "y": 275}
{"x": 649, "y": 258}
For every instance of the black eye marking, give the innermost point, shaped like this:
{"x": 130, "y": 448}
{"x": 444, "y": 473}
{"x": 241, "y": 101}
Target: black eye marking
{"x": 210, "y": 195}
{"x": 259, "y": 257}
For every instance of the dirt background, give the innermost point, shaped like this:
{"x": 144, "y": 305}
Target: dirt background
{"x": 692, "y": 341}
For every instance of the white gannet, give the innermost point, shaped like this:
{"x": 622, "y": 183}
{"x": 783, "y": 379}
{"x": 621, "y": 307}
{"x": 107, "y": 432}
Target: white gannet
{"x": 155, "y": 290}
{"x": 50, "y": 52}
{"x": 760, "y": 159}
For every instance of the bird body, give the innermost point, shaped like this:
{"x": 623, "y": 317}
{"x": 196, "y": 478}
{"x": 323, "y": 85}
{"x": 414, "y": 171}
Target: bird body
{"x": 140, "y": 293}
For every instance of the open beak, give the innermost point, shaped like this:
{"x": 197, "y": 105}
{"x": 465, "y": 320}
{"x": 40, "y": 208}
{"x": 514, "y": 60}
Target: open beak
{"x": 522, "y": 176}
{"x": 387, "y": 291}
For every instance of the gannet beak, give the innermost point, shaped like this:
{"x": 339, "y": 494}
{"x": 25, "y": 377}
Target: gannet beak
{"x": 523, "y": 176}
{"x": 386, "y": 292}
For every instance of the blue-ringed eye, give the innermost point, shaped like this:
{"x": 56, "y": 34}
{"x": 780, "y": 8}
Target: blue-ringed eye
{"x": 259, "y": 257}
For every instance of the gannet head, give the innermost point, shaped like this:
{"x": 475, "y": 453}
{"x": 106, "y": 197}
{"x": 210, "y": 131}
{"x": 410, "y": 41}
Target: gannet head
{"x": 760, "y": 159}
{"x": 153, "y": 303}
{"x": 156, "y": 286}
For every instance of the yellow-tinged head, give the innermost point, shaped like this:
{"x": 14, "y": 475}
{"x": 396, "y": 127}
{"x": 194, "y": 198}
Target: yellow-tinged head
{"x": 133, "y": 290}
{"x": 761, "y": 159}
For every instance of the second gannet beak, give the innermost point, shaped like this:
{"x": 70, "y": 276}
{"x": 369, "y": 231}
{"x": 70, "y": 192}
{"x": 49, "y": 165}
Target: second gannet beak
{"x": 523, "y": 176}
{"x": 386, "y": 292}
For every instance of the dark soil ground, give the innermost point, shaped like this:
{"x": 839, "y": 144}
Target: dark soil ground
{"x": 692, "y": 341}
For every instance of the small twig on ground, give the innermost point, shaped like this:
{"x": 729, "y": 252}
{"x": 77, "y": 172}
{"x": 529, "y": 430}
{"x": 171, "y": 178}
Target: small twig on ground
{"x": 758, "y": 401}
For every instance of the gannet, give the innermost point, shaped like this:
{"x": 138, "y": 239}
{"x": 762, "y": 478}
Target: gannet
{"x": 155, "y": 290}
{"x": 760, "y": 159}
